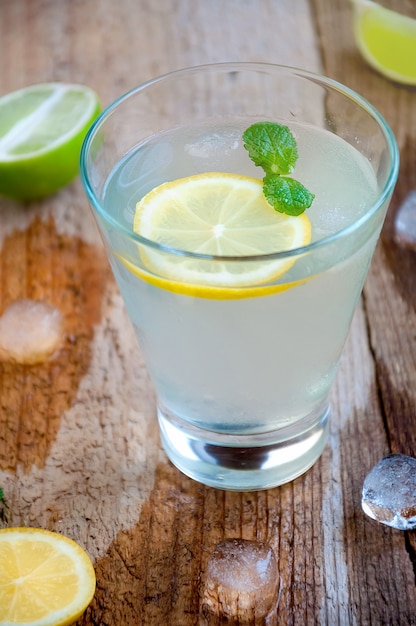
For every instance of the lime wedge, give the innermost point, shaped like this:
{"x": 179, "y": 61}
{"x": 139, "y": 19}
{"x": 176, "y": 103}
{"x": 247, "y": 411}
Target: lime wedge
{"x": 386, "y": 40}
{"x": 41, "y": 132}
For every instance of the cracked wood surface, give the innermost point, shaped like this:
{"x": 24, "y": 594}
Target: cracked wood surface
{"x": 79, "y": 447}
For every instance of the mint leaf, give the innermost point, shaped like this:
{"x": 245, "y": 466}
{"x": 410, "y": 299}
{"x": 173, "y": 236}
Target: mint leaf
{"x": 271, "y": 146}
{"x": 286, "y": 195}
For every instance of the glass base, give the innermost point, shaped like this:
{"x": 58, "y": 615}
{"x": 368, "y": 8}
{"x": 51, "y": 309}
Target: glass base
{"x": 244, "y": 462}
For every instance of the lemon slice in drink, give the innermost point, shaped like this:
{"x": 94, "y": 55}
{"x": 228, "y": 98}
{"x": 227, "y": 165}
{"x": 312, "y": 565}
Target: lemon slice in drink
{"x": 387, "y": 40}
{"x": 41, "y": 132}
{"x": 222, "y": 215}
{"x": 46, "y": 579}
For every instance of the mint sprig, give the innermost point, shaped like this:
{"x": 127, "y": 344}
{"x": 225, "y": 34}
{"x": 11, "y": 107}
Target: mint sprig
{"x": 273, "y": 147}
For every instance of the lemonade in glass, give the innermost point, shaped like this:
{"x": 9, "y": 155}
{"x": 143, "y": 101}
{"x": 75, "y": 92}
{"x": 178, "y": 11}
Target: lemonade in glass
{"x": 241, "y": 310}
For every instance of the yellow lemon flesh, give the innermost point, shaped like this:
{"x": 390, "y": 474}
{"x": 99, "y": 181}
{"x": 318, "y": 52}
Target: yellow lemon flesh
{"x": 46, "y": 579}
{"x": 42, "y": 128}
{"x": 387, "y": 40}
{"x": 222, "y": 215}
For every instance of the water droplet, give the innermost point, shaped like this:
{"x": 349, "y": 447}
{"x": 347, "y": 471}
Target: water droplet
{"x": 30, "y": 332}
{"x": 242, "y": 583}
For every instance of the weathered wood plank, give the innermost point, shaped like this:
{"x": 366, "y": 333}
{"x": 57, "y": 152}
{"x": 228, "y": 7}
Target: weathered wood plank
{"x": 79, "y": 450}
{"x": 390, "y": 291}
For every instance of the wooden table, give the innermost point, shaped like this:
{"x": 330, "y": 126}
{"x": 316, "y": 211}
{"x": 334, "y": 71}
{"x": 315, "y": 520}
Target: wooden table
{"x": 79, "y": 447}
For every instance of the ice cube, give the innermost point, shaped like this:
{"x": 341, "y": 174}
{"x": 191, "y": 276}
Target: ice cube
{"x": 213, "y": 144}
{"x": 242, "y": 583}
{"x": 389, "y": 492}
{"x": 30, "y": 331}
{"x": 405, "y": 222}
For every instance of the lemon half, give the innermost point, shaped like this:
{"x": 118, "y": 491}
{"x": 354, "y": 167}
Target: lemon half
{"x": 387, "y": 40}
{"x": 217, "y": 214}
{"x": 46, "y": 579}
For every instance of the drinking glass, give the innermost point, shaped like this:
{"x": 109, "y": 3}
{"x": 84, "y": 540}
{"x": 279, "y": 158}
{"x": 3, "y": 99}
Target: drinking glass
{"x": 242, "y": 373}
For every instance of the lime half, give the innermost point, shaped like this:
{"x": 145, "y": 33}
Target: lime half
{"x": 41, "y": 132}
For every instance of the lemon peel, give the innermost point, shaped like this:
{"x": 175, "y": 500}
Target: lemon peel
{"x": 209, "y": 292}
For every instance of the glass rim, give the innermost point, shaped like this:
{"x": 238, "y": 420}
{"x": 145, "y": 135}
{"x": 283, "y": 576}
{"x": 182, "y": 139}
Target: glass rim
{"x": 334, "y": 85}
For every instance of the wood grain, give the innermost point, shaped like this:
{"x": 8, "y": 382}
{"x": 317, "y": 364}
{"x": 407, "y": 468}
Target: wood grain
{"x": 79, "y": 447}
{"x": 390, "y": 291}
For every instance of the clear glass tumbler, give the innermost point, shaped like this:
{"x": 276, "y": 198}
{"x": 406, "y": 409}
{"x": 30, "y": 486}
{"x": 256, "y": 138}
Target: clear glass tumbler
{"x": 242, "y": 373}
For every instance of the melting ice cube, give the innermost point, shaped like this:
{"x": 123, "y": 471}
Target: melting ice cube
{"x": 405, "y": 222}
{"x": 389, "y": 492}
{"x": 30, "y": 331}
{"x": 242, "y": 583}
{"x": 212, "y": 145}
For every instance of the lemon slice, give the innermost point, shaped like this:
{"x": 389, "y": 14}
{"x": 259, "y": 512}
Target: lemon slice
{"x": 222, "y": 215}
{"x": 46, "y": 579}
{"x": 387, "y": 40}
{"x": 41, "y": 132}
